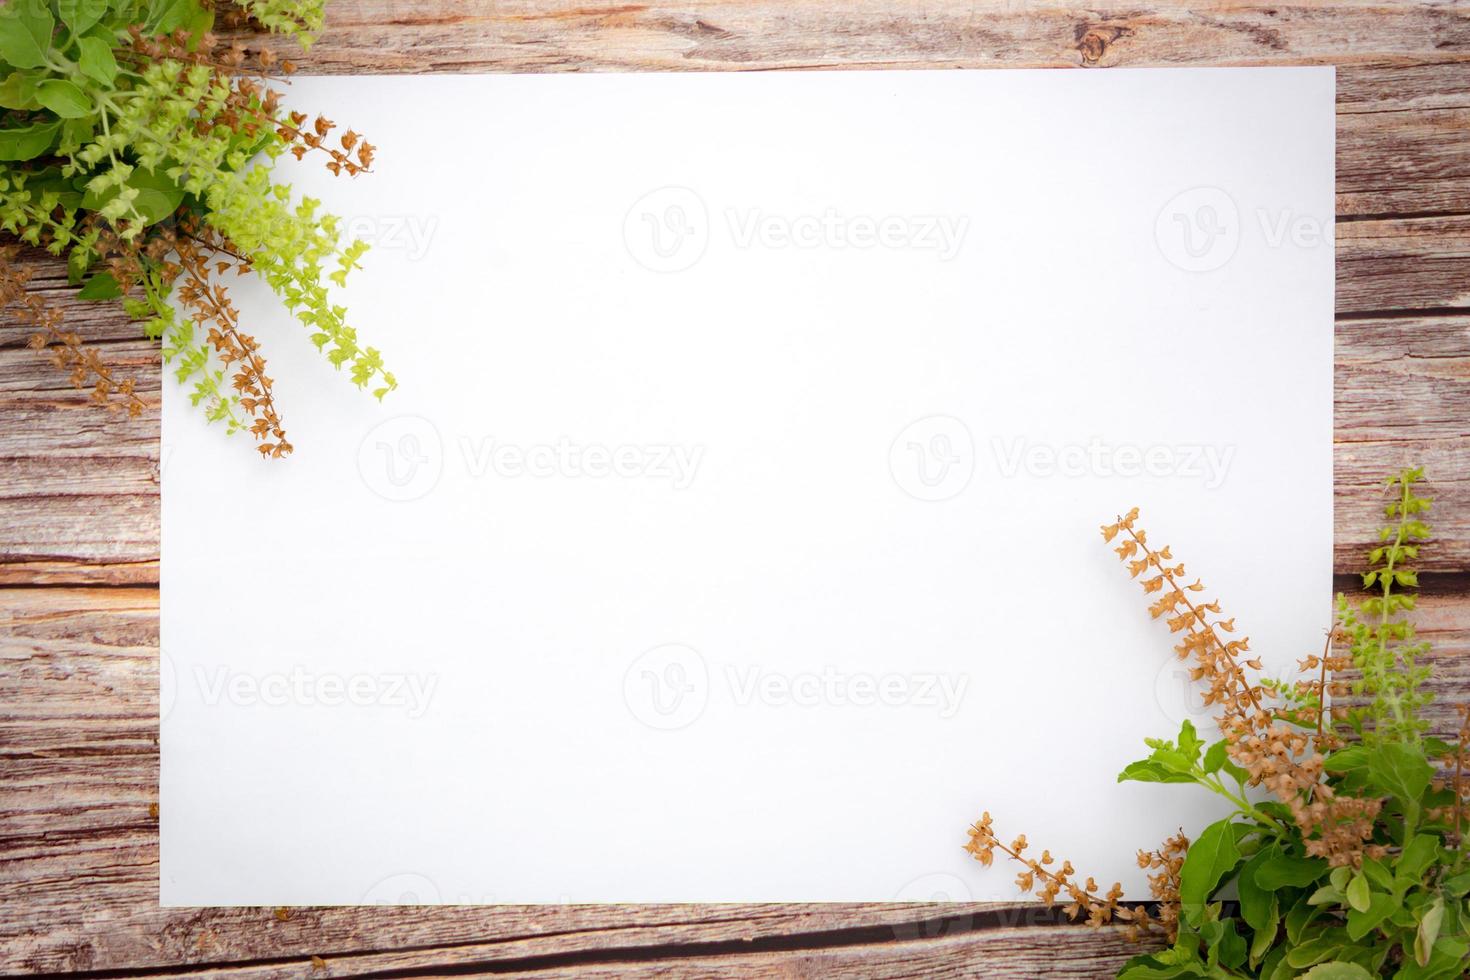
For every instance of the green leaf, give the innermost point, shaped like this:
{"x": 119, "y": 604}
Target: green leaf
{"x": 1256, "y": 903}
{"x": 1283, "y": 871}
{"x": 166, "y": 16}
{"x": 97, "y": 61}
{"x": 1428, "y": 932}
{"x": 1378, "y": 874}
{"x": 1215, "y": 756}
{"x": 1260, "y": 909}
{"x": 1416, "y": 857}
{"x": 25, "y": 33}
{"x": 1298, "y": 919}
{"x": 27, "y": 142}
{"x": 1345, "y": 760}
{"x": 18, "y": 90}
{"x": 51, "y": 183}
{"x": 1142, "y": 771}
{"x": 1326, "y": 895}
{"x": 1358, "y": 893}
{"x": 157, "y": 195}
{"x": 1401, "y": 770}
{"x": 1459, "y": 885}
{"x": 64, "y": 98}
{"x": 1208, "y": 860}
{"x": 1226, "y": 946}
{"x": 1337, "y": 970}
{"x": 1263, "y": 941}
{"x": 1149, "y": 968}
{"x": 79, "y": 15}
{"x": 100, "y": 286}
{"x": 74, "y": 133}
{"x": 1189, "y": 741}
{"x": 1315, "y": 950}
{"x": 1380, "y": 907}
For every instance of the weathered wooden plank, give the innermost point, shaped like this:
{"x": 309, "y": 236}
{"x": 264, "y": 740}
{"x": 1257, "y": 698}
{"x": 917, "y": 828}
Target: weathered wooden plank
{"x": 78, "y": 493}
{"x": 1404, "y": 92}
{"x": 961, "y": 951}
{"x": 79, "y": 764}
{"x": 1403, "y": 264}
{"x": 81, "y": 739}
{"x": 533, "y": 35}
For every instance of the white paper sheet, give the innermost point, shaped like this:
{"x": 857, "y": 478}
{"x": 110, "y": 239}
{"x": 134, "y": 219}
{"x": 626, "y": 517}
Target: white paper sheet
{"x": 733, "y": 533}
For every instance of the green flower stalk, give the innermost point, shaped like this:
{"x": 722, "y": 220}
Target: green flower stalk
{"x": 140, "y": 147}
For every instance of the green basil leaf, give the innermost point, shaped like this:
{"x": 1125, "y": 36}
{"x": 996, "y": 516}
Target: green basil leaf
{"x": 1344, "y": 760}
{"x": 1357, "y": 893}
{"x": 25, "y": 33}
{"x": 27, "y": 142}
{"x": 1256, "y": 903}
{"x": 100, "y": 286}
{"x": 1380, "y": 907}
{"x": 79, "y": 15}
{"x": 1315, "y": 950}
{"x": 157, "y": 195}
{"x": 1416, "y": 857}
{"x": 64, "y": 98}
{"x": 1215, "y": 756}
{"x": 1226, "y": 946}
{"x": 18, "y": 90}
{"x": 1284, "y": 871}
{"x": 1337, "y": 970}
{"x": 97, "y": 61}
{"x": 1378, "y": 874}
{"x": 1189, "y": 742}
{"x": 1208, "y": 859}
{"x": 75, "y": 133}
{"x": 167, "y": 16}
{"x": 1428, "y": 932}
{"x": 1401, "y": 771}
{"x": 1151, "y": 771}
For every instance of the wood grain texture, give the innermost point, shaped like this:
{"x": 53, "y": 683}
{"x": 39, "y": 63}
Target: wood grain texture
{"x": 79, "y": 489}
{"x": 79, "y": 703}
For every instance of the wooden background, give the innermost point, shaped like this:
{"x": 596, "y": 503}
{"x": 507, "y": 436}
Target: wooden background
{"x": 79, "y": 490}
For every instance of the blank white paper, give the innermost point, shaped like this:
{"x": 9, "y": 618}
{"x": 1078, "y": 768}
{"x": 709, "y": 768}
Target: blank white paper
{"x": 733, "y": 533}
